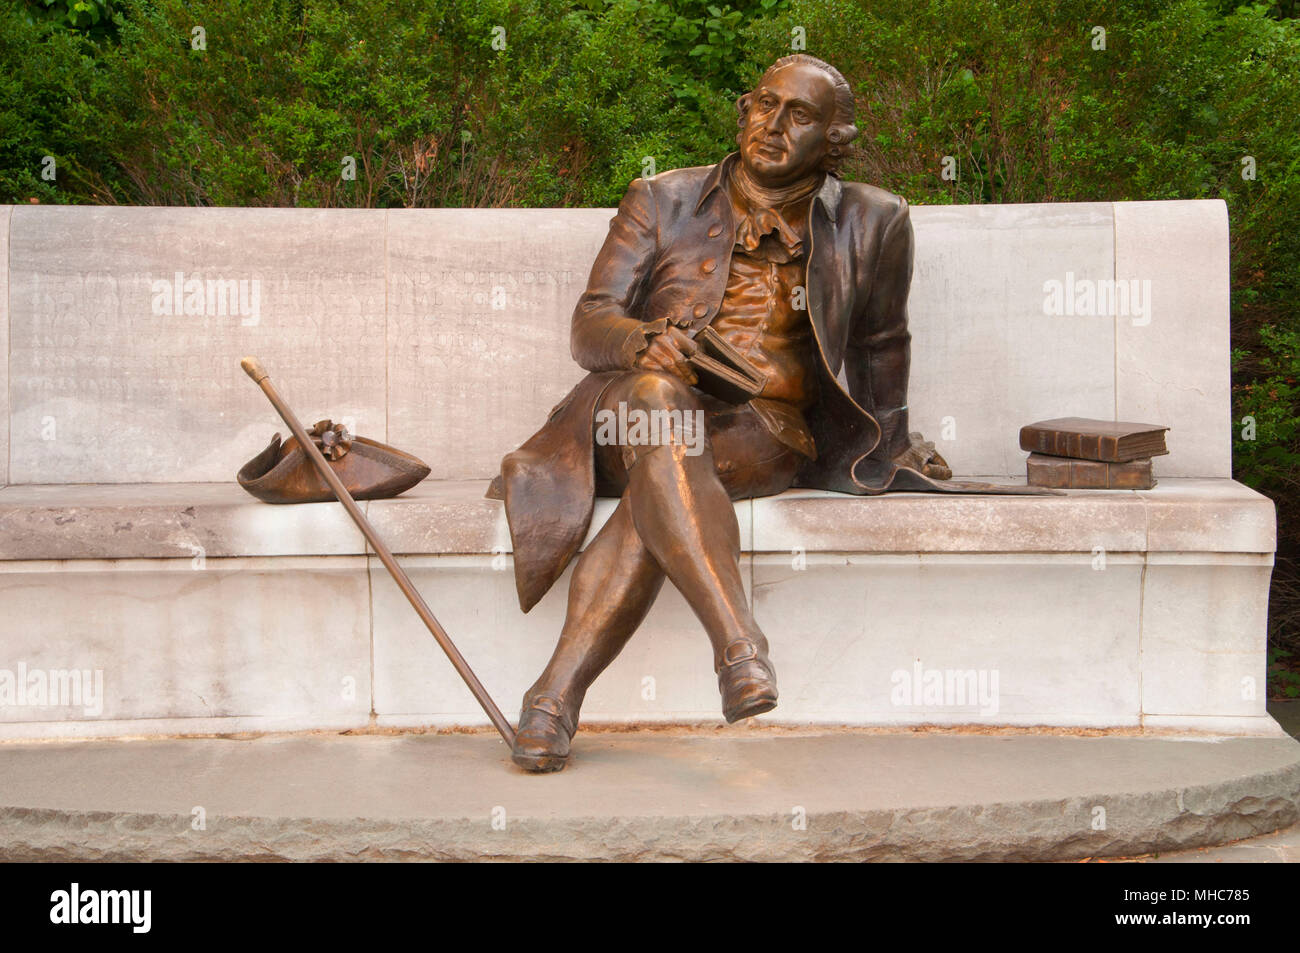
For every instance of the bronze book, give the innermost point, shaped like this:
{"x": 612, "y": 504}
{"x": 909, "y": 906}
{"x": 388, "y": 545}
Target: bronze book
{"x": 1067, "y": 474}
{"x": 1082, "y": 438}
{"x": 723, "y": 371}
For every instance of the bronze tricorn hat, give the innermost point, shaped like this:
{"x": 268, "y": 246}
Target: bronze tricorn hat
{"x": 370, "y": 470}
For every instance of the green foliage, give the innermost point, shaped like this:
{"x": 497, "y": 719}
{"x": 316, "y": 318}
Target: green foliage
{"x": 1269, "y": 455}
{"x": 1283, "y": 673}
{"x": 47, "y": 69}
{"x": 430, "y": 104}
{"x": 92, "y": 18}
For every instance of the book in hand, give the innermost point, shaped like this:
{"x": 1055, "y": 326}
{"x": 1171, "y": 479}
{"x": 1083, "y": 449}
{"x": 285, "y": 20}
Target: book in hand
{"x": 1068, "y": 474}
{"x": 1083, "y": 438}
{"x": 722, "y": 370}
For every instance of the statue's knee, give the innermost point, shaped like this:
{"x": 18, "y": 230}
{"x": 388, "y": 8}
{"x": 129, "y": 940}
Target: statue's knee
{"x": 655, "y": 390}
{"x": 659, "y": 415}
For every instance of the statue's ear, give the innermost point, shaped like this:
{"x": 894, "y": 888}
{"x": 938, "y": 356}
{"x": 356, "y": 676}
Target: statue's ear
{"x": 742, "y": 106}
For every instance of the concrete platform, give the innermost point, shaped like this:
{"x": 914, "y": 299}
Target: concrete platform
{"x": 652, "y": 795}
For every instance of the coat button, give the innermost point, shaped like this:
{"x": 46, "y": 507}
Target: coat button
{"x": 701, "y": 310}
{"x": 715, "y": 230}
{"x": 709, "y": 266}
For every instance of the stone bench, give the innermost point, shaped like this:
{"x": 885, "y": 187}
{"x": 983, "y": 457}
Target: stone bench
{"x": 127, "y": 550}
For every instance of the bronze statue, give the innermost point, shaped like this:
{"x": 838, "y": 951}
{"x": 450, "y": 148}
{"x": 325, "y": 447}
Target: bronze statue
{"x": 800, "y": 275}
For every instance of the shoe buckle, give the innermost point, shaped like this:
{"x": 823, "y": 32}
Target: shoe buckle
{"x": 547, "y": 703}
{"x": 742, "y": 650}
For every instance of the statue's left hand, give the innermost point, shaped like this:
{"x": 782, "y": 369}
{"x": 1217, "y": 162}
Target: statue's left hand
{"x": 924, "y": 458}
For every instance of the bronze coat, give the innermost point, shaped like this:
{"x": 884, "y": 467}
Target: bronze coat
{"x": 667, "y": 258}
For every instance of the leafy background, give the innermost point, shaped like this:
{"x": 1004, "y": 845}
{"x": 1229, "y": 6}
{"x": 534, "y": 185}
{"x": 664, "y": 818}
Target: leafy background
{"x": 434, "y": 115}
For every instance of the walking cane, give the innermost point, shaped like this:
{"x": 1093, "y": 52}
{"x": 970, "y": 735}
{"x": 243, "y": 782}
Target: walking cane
{"x": 253, "y": 367}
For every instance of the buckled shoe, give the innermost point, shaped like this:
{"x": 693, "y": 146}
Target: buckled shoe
{"x": 545, "y": 730}
{"x": 746, "y": 681}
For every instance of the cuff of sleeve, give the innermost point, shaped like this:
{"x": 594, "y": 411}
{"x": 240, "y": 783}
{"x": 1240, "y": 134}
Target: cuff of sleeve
{"x": 638, "y": 338}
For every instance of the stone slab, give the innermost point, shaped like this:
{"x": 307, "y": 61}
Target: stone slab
{"x": 1189, "y": 511}
{"x": 735, "y": 794}
{"x": 986, "y": 357}
{"x": 105, "y": 389}
{"x": 953, "y": 639}
{"x": 445, "y": 331}
{"x": 1177, "y": 515}
{"x": 819, "y": 521}
{"x": 6, "y": 212}
{"x": 166, "y": 520}
{"x": 1254, "y": 725}
{"x": 1175, "y": 369}
{"x": 1204, "y": 634}
{"x": 445, "y": 517}
{"x": 452, "y": 517}
{"x": 479, "y": 307}
{"x": 204, "y": 639}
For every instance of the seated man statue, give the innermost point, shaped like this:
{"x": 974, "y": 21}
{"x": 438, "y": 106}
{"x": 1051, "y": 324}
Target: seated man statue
{"x": 803, "y": 275}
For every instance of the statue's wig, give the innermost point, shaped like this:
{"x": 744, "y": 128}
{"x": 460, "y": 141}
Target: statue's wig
{"x": 841, "y": 132}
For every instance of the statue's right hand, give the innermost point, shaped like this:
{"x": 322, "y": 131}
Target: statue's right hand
{"x": 667, "y": 353}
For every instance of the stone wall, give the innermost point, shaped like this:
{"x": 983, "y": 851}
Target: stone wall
{"x": 445, "y": 332}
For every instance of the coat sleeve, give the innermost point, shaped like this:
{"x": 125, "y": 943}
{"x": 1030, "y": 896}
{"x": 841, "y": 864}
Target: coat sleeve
{"x": 605, "y": 334}
{"x": 880, "y": 345}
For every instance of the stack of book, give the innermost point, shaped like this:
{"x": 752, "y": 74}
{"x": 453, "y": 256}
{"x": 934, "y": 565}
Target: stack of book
{"x": 1080, "y": 453}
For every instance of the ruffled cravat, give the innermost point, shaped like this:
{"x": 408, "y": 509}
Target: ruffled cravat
{"x": 760, "y": 211}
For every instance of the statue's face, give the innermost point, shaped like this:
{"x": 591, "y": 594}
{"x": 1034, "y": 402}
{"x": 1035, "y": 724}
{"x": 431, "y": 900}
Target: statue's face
{"x": 784, "y": 138}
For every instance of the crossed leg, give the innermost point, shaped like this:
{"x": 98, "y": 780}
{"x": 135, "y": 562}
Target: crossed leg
{"x": 674, "y": 520}
{"x": 614, "y": 584}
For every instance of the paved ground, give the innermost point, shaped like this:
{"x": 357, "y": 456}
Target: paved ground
{"x": 712, "y": 794}
{"x": 1281, "y": 847}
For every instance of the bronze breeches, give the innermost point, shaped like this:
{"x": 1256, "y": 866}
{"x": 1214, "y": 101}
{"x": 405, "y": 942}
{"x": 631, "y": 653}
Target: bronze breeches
{"x": 749, "y": 460}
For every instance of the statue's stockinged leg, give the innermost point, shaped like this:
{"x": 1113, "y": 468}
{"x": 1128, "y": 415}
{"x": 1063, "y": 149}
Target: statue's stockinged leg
{"x": 685, "y": 518}
{"x": 614, "y": 584}
{"x": 675, "y": 519}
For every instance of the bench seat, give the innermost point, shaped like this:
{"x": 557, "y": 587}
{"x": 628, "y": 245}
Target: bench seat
{"x": 208, "y": 611}
{"x": 171, "y": 520}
